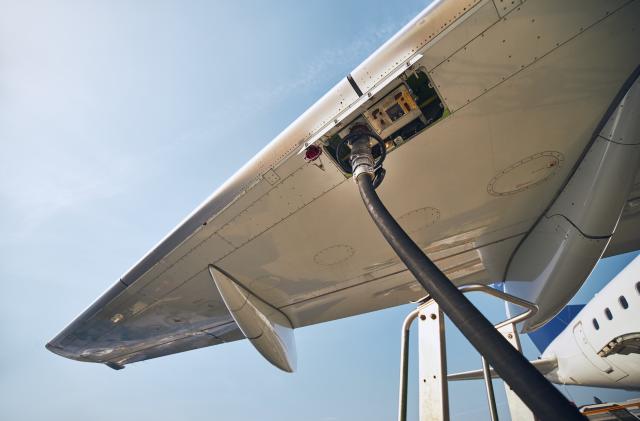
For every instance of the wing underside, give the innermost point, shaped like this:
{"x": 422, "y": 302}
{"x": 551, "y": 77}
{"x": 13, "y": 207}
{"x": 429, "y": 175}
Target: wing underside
{"x": 518, "y": 103}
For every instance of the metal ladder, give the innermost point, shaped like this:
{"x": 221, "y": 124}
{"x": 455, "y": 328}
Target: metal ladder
{"x": 433, "y": 385}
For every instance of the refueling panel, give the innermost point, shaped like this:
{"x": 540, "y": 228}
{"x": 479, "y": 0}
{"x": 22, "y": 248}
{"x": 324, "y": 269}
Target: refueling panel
{"x": 393, "y": 112}
{"x": 397, "y": 117}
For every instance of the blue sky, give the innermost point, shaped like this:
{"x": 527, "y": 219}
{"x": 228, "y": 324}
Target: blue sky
{"x": 116, "y": 120}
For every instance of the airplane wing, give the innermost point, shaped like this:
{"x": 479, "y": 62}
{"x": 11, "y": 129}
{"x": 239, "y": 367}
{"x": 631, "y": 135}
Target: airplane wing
{"x": 485, "y": 109}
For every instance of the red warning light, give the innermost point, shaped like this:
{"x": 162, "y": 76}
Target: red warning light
{"x": 312, "y": 153}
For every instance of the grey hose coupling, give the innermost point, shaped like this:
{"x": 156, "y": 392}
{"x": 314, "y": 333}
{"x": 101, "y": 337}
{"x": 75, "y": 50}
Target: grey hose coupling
{"x": 361, "y": 157}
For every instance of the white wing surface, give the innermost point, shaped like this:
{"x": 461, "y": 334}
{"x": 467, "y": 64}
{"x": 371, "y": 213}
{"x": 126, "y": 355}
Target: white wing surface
{"x": 505, "y": 100}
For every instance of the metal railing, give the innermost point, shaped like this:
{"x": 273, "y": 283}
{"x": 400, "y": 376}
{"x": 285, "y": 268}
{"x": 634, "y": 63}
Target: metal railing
{"x": 531, "y": 310}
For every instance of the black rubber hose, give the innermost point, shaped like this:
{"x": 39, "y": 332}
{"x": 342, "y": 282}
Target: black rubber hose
{"x": 546, "y": 402}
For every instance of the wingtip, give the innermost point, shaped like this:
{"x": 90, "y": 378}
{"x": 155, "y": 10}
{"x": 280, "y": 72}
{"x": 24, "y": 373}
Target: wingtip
{"x": 53, "y": 347}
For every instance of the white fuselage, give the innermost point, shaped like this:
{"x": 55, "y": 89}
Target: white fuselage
{"x": 585, "y": 350}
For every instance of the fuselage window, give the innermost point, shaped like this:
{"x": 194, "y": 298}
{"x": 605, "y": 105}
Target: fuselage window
{"x": 623, "y": 302}
{"x": 595, "y": 324}
{"x": 607, "y": 313}
{"x": 638, "y": 287}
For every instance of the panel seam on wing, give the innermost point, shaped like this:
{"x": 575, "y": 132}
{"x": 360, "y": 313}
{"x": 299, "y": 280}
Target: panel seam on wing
{"x": 524, "y": 67}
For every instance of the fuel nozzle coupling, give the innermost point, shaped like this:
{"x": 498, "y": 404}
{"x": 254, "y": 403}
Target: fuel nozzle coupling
{"x": 361, "y": 155}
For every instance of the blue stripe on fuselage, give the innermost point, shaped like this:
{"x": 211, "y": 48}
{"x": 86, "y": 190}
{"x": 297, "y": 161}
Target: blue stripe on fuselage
{"x": 547, "y": 333}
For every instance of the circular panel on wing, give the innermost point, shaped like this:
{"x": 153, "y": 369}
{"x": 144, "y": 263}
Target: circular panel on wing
{"x": 333, "y": 255}
{"x": 525, "y": 173}
{"x": 416, "y": 222}
{"x": 418, "y": 219}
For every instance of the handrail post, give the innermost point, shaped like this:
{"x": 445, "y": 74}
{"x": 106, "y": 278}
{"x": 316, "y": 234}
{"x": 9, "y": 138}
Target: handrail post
{"x": 488, "y": 383}
{"x": 517, "y": 408}
{"x": 404, "y": 365}
{"x": 433, "y": 391}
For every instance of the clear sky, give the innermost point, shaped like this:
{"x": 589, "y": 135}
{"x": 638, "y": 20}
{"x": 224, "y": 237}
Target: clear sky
{"x": 116, "y": 120}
